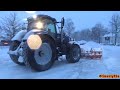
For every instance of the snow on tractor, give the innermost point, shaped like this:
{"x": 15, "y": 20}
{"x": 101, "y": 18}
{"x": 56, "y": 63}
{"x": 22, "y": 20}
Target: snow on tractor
{"x": 40, "y": 45}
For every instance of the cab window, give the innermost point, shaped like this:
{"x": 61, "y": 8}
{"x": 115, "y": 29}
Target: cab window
{"x": 51, "y": 27}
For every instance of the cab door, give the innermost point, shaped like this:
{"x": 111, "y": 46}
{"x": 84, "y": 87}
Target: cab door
{"x": 52, "y": 30}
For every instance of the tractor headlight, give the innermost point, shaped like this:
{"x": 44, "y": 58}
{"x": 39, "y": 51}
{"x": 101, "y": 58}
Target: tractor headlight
{"x": 34, "y": 41}
{"x": 39, "y": 25}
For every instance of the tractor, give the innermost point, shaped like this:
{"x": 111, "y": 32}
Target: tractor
{"x": 40, "y": 45}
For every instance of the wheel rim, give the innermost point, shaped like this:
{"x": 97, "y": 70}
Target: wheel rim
{"x": 76, "y": 53}
{"x": 44, "y": 54}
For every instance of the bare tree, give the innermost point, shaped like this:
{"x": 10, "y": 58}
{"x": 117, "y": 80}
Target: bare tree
{"x": 10, "y": 25}
{"x": 69, "y": 27}
{"x": 115, "y": 24}
{"x": 76, "y": 35}
{"x": 94, "y": 33}
{"x": 97, "y": 32}
{"x": 85, "y": 34}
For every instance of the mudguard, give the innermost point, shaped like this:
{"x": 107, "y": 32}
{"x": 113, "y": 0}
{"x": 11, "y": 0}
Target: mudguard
{"x": 74, "y": 42}
{"x": 33, "y": 32}
{"x": 19, "y": 36}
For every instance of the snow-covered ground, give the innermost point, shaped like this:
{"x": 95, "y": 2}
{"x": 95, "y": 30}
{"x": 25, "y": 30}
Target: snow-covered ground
{"x": 84, "y": 69}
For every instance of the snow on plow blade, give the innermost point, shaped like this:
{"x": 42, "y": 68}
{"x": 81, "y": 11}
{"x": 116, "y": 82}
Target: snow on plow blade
{"x": 94, "y": 53}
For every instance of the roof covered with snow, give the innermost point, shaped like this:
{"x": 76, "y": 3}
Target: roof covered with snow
{"x": 109, "y": 35}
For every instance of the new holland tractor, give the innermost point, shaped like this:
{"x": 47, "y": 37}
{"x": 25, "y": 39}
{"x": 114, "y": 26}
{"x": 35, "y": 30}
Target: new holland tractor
{"x": 40, "y": 45}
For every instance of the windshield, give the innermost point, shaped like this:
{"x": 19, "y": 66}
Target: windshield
{"x": 39, "y": 24}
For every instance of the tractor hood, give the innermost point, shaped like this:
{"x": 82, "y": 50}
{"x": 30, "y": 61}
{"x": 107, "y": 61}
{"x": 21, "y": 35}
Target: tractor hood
{"x": 33, "y": 32}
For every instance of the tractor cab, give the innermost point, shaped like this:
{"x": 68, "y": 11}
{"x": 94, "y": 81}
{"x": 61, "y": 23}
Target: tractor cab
{"x": 45, "y": 23}
{"x": 41, "y": 22}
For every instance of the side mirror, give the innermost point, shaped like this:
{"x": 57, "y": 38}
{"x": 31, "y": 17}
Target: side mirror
{"x": 62, "y": 22}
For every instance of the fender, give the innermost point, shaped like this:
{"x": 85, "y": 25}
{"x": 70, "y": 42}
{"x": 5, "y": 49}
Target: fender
{"x": 74, "y": 42}
{"x": 33, "y": 32}
{"x": 19, "y": 35}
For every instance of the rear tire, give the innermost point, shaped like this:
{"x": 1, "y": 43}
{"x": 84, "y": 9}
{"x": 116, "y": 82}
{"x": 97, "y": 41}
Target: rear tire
{"x": 14, "y": 45}
{"x": 33, "y": 62}
{"x": 74, "y": 54}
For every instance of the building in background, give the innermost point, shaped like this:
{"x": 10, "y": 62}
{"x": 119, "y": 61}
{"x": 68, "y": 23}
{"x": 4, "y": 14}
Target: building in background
{"x": 109, "y": 39}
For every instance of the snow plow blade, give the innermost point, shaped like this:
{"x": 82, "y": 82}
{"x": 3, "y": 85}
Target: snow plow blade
{"x": 94, "y": 53}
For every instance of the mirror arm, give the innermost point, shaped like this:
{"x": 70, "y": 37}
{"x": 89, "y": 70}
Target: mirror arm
{"x": 58, "y": 22}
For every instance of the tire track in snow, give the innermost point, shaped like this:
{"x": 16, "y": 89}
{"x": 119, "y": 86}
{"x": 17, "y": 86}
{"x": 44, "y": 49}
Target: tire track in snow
{"x": 111, "y": 59}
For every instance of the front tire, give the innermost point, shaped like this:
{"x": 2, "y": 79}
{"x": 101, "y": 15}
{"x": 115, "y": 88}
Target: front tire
{"x": 43, "y": 58}
{"x": 14, "y": 45}
{"x": 74, "y": 54}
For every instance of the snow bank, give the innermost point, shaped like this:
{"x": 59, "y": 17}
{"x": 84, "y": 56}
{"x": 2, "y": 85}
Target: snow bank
{"x": 4, "y": 57}
{"x": 82, "y": 42}
{"x": 111, "y": 55}
{"x": 90, "y": 45}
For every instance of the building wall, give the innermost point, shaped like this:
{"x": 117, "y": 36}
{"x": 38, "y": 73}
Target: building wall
{"x": 118, "y": 40}
{"x": 112, "y": 39}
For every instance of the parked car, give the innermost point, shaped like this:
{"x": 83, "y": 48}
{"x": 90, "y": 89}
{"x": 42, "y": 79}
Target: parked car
{"x": 5, "y": 42}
